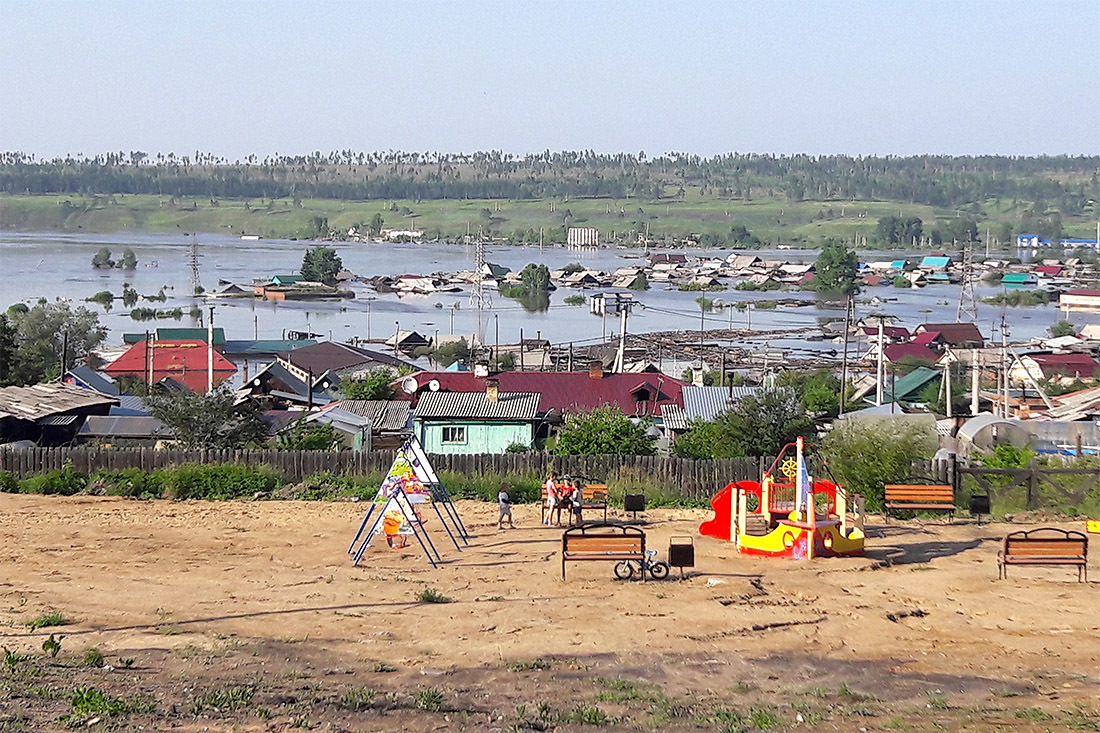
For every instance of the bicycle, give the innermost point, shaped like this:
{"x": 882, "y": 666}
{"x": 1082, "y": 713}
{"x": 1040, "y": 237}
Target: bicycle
{"x": 658, "y": 569}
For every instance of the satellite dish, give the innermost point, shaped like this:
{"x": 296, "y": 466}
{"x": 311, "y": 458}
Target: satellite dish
{"x": 409, "y": 385}
{"x": 434, "y": 385}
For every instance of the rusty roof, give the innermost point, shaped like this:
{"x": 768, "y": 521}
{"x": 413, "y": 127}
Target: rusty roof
{"x": 42, "y": 400}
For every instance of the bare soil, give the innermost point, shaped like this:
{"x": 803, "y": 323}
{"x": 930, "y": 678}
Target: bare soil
{"x": 248, "y": 616}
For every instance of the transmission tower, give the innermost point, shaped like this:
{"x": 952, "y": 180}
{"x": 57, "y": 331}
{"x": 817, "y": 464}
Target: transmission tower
{"x": 193, "y": 259}
{"x": 480, "y": 297}
{"x": 968, "y": 302}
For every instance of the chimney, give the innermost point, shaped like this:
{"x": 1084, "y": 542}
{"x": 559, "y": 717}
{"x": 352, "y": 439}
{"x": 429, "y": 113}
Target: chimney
{"x": 492, "y": 390}
{"x": 481, "y": 369}
{"x": 595, "y": 369}
{"x": 697, "y": 376}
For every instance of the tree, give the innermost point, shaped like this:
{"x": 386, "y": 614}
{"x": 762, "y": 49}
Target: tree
{"x": 310, "y": 436}
{"x": 102, "y": 259}
{"x": 376, "y": 386}
{"x": 7, "y": 351}
{"x": 375, "y": 226}
{"x": 321, "y": 264}
{"x": 129, "y": 260}
{"x": 818, "y": 391}
{"x": 41, "y": 335}
{"x": 864, "y": 455}
{"x": 450, "y": 352}
{"x": 209, "y": 421}
{"x": 641, "y": 282}
{"x": 603, "y": 431}
{"x": 759, "y": 425}
{"x": 1062, "y": 328}
{"x": 535, "y": 278}
{"x": 836, "y": 268}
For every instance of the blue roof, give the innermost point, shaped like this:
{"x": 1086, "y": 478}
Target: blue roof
{"x": 934, "y": 261}
{"x": 898, "y": 264}
{"x": 1019, "y": 277}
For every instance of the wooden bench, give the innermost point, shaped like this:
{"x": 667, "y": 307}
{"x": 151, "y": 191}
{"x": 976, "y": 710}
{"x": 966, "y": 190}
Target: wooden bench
{"x": 607, "y": 542}
{"x": 918, "y": 496}
{"x": 594, "y": 495}
{"x": 1045, "y": 546}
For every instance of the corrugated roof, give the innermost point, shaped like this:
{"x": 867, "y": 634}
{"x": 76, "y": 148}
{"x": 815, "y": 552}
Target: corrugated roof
{"x": 85, "y": 376}
{"x": 956, "y": 333}
{"x": 120, "y": 426}
{"x": 333, "y": 356}
{"x": 567, "y": 392}
{"x": 177, "y": 334}
{"x": 674, "y": 418}
{"x": 909, "y": 386}
{"x": 387, "y": 415}
{"x": 706, "y": 403}
{"x": 896, "y": 352}
{"x": 934, "y": 261}
{"x": 264, "y": 347}
{"x": 41, "y": 400}
{"x": 476, "y": 406}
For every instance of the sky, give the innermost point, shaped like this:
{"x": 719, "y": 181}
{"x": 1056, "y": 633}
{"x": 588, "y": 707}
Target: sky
{"x": 817, "y": 77}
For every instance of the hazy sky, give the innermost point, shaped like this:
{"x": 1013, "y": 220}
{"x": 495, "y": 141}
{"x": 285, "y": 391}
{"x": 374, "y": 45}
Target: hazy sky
{"x": 234, "y": 77}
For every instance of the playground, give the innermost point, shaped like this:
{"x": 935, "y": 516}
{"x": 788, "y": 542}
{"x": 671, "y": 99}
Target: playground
{"x": 250, "y": 616}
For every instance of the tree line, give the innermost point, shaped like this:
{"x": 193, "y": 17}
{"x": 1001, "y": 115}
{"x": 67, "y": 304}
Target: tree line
{"x": 1064, "y": 183}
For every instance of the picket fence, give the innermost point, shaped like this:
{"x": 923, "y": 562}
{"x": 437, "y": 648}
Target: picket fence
{"x": 676, "y": 476}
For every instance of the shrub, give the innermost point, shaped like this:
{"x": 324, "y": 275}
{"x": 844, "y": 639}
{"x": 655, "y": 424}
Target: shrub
{"x": 603, "y": 431}
{"x": 123, "y": 482}
{"x": 866, "y": 455}
{"x": 522, "y": 488}
{"x": 328, "y": 485}
{"x": 216, "y": 481}
{"x": 8, "y": 483}
{"x": 430, "y": 595}
{"x": 65, "y": 481}
{"x": 575, "y": 300}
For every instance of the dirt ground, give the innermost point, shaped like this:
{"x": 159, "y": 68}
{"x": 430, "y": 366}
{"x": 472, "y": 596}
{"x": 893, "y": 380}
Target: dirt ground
{"x": 248, "y": 616}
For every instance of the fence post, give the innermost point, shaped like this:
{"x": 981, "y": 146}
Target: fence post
{"x": 1032, "y": 485}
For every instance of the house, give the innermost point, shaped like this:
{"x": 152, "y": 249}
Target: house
{"x": 666, "y": 258}
{"x": 408, "y": 341}
{"x": 890, "y": 334}
{"x": 476, "y": 422}
{"x": 632, "y": 279}
{"x": 390, "y": 420}
{"x": 88, "y": 378}
{"x": 1090, "y": 332}
{"x": 121, "y": 431}
{"x": 178, "y": 334}
{"x": 280, "y": 388}
{"x": 48, "y": 414}
{"x": 1079, "y": 300}
{"x": 345, "y": 360}
{"x": 704, "y": 404}
{"x": 185, "y": 361}
{"x": 1019, "y": 279}
{"x": 956, "y": 335}
{"x": 873, "y": 281}
{"x": 935, "y": 263}
{"x": 1048, "y": 270}
{"x": 1053, "y": 366}
{"x": 286, "y": 279}
{"x": 908, "y": 387}
{"x": 742, "y": 262}
{"x": 894, "y": 353}
{"x": 562, "y": 393}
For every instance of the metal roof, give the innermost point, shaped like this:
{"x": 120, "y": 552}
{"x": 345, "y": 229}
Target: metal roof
{"x": 120, "y": 426}
{"x": 706, "y": 403}
{"x": 386, "y": 415}
{"x": 909, "y": 386}
{"x": 477, "y": 406}
{"x": 673, "y": 418}
{"x": 334, "y": 356}
{"x": 85, "y": 376}
{"x": 41, "y": 400}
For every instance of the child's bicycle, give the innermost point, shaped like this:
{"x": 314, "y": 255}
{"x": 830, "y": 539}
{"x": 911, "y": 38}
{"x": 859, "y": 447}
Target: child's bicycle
{"x": 658, "y": 569}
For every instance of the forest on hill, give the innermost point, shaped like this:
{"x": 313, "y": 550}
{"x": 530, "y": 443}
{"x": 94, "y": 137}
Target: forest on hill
{"x": 1064, "y": 183}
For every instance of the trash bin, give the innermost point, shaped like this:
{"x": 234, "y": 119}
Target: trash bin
{"x": 634, "y": 503}
{"x": 979, "y": 505}
{"x": 681, "y": 553}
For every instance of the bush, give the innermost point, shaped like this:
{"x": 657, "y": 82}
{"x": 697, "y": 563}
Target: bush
{"x": 603, "y": 431}
{"x": 216, "y": 481}
{"x": 66, "y": 481}
{"x": 485, "y": 487}
{"x": 327, "y": 485}
{"x": 123, "y": 482}
{"x": 865, "y": 455}
{"x": 8, "y": 483}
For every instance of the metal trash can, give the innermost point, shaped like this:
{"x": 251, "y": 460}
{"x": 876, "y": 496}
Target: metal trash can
{"x": 979, "y": 505}
{"x": 634, "y": 503}
{"x": 681, "y": 553}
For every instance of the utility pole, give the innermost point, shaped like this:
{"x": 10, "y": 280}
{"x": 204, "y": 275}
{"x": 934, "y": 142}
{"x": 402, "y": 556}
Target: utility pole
{"x": 844, "y": 356}
{"x": 974, "y": 382}
{"x": 396, "y": 336}
{"x": 210, "y": 352}
{"x": 1004, "y": 360}
{"x": 620, "y": 356}
{"x": 880, "y": 375}
{"x": 947, "y": 383}
{"x": 968, "y": 302}
{"x": 480, "y": 296}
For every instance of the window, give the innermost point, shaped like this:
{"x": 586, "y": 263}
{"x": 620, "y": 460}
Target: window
{"x": 454, "y": 435}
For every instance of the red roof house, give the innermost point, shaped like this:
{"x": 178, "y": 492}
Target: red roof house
{"x": 920, "y": 352}
{"x": 1065, "y": 365}
{"x": 1049, "y": 270}
{"x": 959, "y": 335}
{"x": 561, "y": 392}
{"x": 182, "y": 360}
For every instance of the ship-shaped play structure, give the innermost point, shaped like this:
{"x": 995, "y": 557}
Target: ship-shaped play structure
{"x": 791, "y": 515}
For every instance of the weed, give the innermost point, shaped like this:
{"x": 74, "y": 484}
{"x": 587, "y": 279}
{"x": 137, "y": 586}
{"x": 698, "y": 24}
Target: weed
{"x": 1003, "y": 692}
{"x": 743, "y": 687}
{"x": 896, "y": 724}
{"x": 13, "y": 660}
{"x": 764, "y": 719}
{"x": 1034, "y": 714}
{"x": 53, "y": 618}
{"x": 52, "y": 645}
{"x": 808, "y": 714}
{"x": 126, "y": 662}
{"x": 263, "y": 713}
{"x": 1082, "y": 719}
{"x": 529, "y": 666}
{"x": 587, "y": 715}
{"x": 92, "y": 658}
{"x": 430, "y": 700}
{"x": 303, "y": 722}
{"x": 384, "y": 667}
{"x": 430, "y": 595}
{"x": 88, "y": 701}
{"x": 937, "y": 702}
{"x": 222, "y": 701}
{"x": 727, "y": 721}
{"x": 359, "y": 699}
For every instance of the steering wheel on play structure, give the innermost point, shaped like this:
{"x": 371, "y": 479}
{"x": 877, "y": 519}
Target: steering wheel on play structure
{"x": 789, "y": 468}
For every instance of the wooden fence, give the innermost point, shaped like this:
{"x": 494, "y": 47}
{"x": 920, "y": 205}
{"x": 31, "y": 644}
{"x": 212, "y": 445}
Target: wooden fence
{"x": 1033, "y": 488}
{"x": 682, "y": 477}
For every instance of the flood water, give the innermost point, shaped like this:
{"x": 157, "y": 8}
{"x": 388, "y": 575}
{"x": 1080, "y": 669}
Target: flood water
{"x": 51, "y": 265}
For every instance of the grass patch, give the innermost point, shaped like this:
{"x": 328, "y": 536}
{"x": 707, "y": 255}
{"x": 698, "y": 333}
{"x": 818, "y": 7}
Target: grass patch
{"x": 383, "y": 667}
{"x": 431, "y": 595}
{"x": 358, "y": 699}
{"x": 937, "y": 702}
{"x": 586, "y": 715}
{"x": 529, "y": 665}
{"x": 430, "y": 700}
{"x": 89, "y": 701}
{"x": 53, "y": 618}
{"x": 762, "y": 719}
{"x": 1034, "y": 714}
{"x": 222, "y": 701}
{"x": 92, "y": 658}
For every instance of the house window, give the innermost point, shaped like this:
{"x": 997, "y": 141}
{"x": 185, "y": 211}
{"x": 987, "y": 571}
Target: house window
{"x": 454, "y": 434}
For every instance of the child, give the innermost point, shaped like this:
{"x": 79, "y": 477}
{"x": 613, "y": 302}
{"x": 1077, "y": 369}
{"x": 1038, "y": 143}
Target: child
{"x": 551, "y": 497}
{"x": 505, "y": 507}
{"x": 577, "y": 504}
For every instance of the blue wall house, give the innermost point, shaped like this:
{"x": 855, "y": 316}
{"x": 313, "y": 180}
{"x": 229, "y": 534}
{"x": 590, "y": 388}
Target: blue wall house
{"x": 475, "y": 422}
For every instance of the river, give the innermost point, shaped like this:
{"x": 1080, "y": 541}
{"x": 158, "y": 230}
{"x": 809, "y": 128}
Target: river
{"x": 52, "y": 265}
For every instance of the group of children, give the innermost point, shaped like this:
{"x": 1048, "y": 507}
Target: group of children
{"x": 568, "y": 495}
